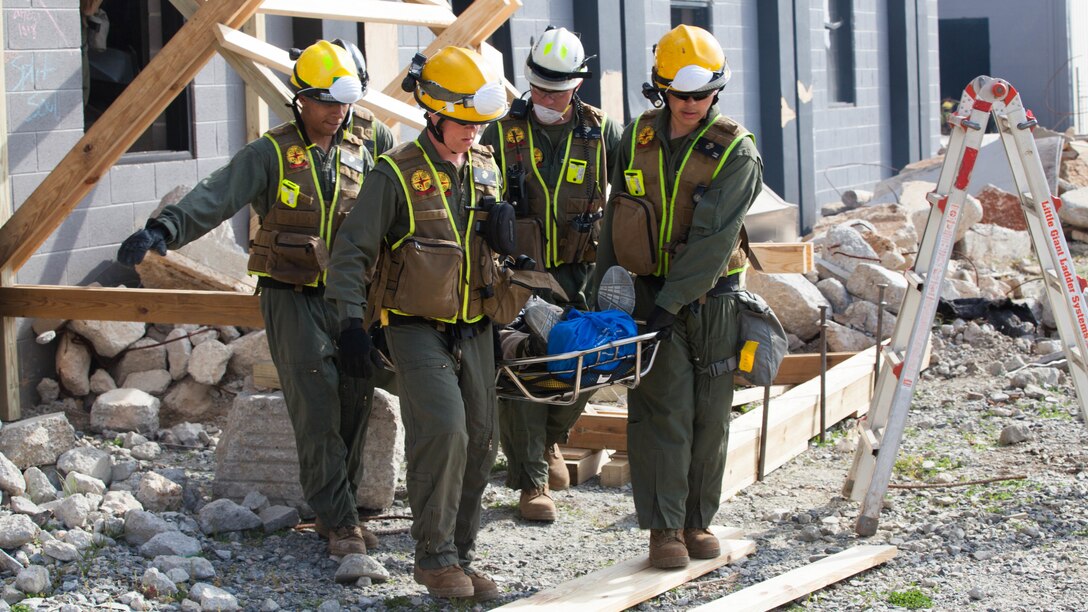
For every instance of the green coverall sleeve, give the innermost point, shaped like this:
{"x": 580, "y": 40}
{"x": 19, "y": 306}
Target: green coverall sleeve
{"x": 715, "y": 229}
{"x": 359, "y": 240}
{"x": 244, "y": 180}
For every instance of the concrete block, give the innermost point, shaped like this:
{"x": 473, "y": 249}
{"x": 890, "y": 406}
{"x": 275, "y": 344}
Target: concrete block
{"x": 42, "y": 270}
{"x": 22, "y": 153}
{"x": 22, "y": 185}
{"x": 19, "y": 71}
{"x": 257, "y": 452}
{"x": 132, "y": 183}
{"x": 42, "y": 29}
{"x": 41, "y": 111}
{"x": 54, "y": 145}
{"x": 172, "y": 174}
{"x": 58, "y": 69}
{"x": 210, "y": 103}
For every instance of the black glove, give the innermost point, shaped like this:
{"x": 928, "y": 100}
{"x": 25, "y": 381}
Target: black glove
{"x": 134, "y": 247}
{"x": 358, "y": 357}
{"x": 660, "y": 321}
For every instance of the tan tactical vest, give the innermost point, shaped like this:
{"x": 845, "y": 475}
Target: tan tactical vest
{"x": 438, "y": 271}
{"x": 362, "y": 130}
{"x": 292, "y": 245}
{"x": 548, "y": 233}
{"x": 665, "y": 212}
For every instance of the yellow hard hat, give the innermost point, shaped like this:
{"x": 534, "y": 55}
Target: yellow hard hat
{"x": 690, "y": 60}
{"x": 457, "y": 83}
{"x": 329, "y": 72}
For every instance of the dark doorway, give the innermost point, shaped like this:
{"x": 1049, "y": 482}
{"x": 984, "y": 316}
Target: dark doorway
{"x": 964, "y": 54}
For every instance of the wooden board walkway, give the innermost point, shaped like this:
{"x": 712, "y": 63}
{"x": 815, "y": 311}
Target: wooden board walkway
{"x": 787, "y": 587}
{"x": 630, "y": 582}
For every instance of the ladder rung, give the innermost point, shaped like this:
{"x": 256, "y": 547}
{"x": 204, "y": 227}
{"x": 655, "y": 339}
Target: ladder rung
{"x": 914, "y": 279}
{"x": 869, "y": 438}
{"x": 891, "y": 356}
{"x": 935, "y": 198}
{"x": 1027, "y": 199}
{"x": 1072, "y": 353}
{"x": 1051, "y": 278}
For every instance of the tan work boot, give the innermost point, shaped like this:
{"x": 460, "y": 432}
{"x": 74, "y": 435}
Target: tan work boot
{"x": 702, "y": 544}
{"x": 368, "y": 536}
{"x": 483, "y": 587}
{"x": 558, "y": 475}
{"x": 346, "y": 540}
{"x": 536, "y": 505}
{"x": 667, "y": 549}
{"x": 445, "y": 582}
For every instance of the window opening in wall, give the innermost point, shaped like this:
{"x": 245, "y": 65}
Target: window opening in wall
{"x": 839, "y": 26}
{"x": 691, "y": 12}
{"x": 119, "y": 38}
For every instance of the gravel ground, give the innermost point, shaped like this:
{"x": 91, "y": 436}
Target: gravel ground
{"x": 1007, "y": 545}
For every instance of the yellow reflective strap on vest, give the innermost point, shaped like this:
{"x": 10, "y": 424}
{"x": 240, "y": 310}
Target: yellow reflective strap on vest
{"x": 739, "y": 270}
{"x": 663, "y": 265}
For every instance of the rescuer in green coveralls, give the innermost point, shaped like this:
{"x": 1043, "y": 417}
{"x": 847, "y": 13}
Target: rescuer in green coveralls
{"x": 684, "y": 179}
{"x": 301, "y": 178}
{"x": 555, "y": 152}
{"x": 416, "y": 232}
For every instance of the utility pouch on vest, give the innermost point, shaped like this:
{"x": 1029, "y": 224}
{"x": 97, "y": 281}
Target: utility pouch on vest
{"x": 423, "y": 278}
{"x": 582, "y": 230}
{"x": 507, "y": 298}
{"x": 530, "y": 239}
{"x": 297, "y": 259}
{"x": 498, "y": 228}
{"x": 634, "y": 233}
{"x": 761, "y": 342}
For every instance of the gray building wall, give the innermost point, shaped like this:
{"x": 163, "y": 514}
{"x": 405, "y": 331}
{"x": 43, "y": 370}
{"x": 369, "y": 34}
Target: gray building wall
{"x": 1029, "y": 47}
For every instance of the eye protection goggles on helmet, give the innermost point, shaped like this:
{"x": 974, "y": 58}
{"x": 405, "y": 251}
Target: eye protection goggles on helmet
{"x": 344, "y": 90}
{"x": 489, "y": 99}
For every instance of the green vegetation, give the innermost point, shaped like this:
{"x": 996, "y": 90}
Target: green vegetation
{"x": 915, "y": 466}
{"x": 911, "y": 599}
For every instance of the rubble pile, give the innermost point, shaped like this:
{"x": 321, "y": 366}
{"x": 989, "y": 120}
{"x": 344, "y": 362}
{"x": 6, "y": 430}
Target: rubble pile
{"x": 866, "y": 241}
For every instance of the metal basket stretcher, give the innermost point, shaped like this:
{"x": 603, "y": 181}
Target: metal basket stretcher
{"x": 529, "y": 378}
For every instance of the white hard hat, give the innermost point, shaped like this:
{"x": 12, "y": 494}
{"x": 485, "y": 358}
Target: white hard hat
{"x": 557, "y": 61}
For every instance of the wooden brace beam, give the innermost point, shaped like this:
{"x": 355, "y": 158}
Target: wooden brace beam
{"x": 148, "y": 305}
{"x": 371, "y": 11}
{"x": 170, "y": 71}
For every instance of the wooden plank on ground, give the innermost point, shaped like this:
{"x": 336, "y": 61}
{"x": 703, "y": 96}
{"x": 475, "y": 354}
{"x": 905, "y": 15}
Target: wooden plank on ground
{"x": 782, "y": 257}
{"x": 801, "y": 367}
{"x": 583, "y": 463}
{"x": 117, "y": 129}
{"x": 787, "y": 587}
{"x": 616, "y": 472}
{"x": 370, "y": 11}
{"x": 148, "y": 305}
{"x": 600, "y": 431}
{"x": 794, "y": 419}
{"x": 630, "y": 582}
{"x": 755, "y": 394}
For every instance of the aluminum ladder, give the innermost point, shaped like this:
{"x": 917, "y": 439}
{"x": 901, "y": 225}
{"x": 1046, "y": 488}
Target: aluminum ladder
{"x": 882, "y": 429}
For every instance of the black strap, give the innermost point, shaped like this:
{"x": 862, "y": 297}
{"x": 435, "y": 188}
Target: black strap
{"x": 266, "y": 282}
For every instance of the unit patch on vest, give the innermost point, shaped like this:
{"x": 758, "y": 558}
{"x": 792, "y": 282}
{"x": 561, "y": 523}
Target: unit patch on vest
{"x": 515, "y": 135}
{"x": 445, "y": 182}
{"x": 645, "y": 135}
{"x": 296, "y": 157}
{"x": 421, "y": 181}
{"x": 538, "y": 155}
{"x": 709, "y": 148}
